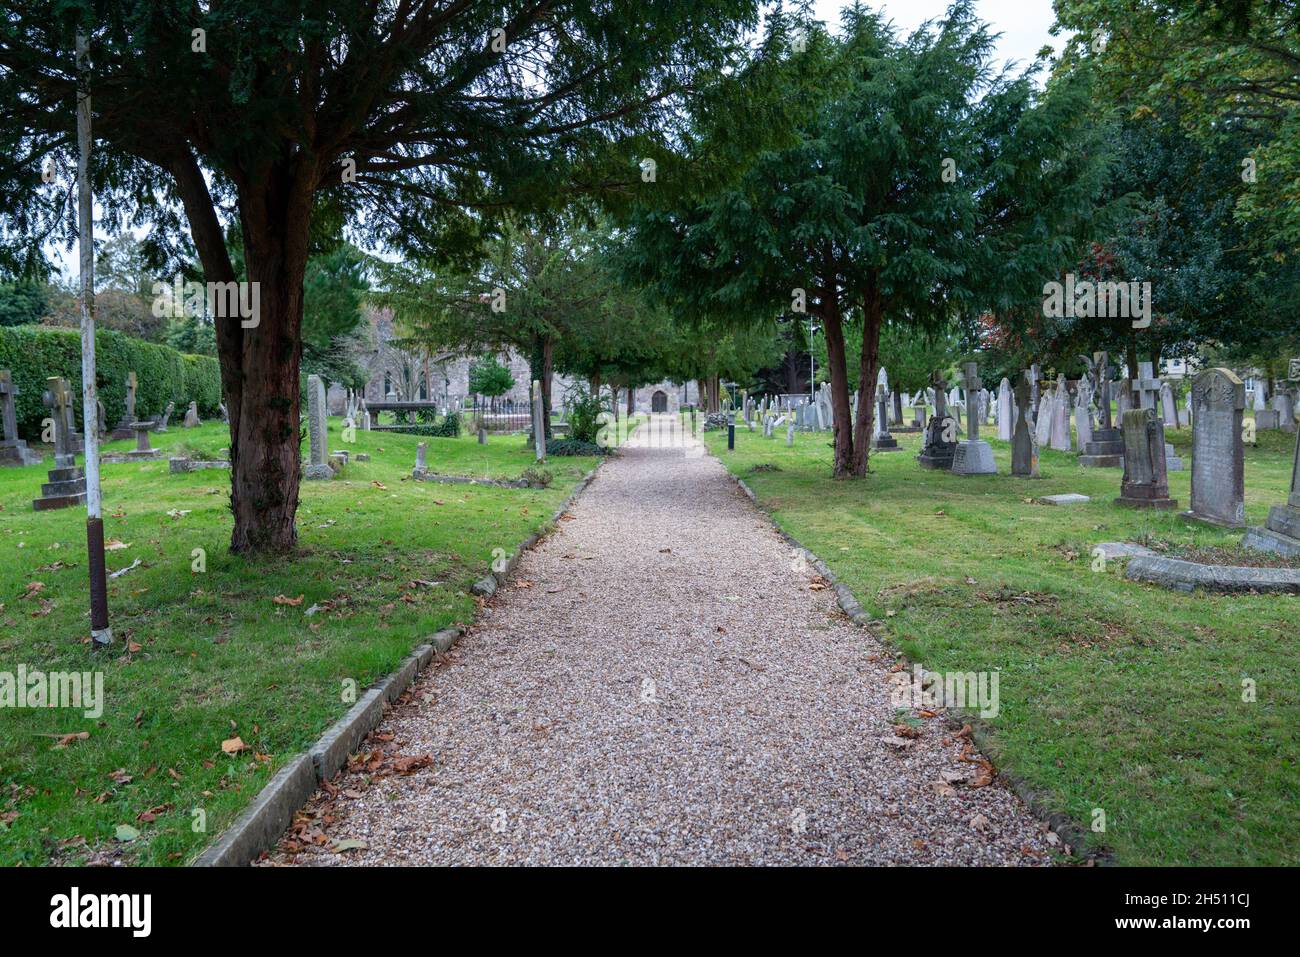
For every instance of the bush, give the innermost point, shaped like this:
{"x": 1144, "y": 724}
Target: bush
{"x": 34, "y": 353}
{"x": 450, "y": 426}
{"x": 583, "y": 417}
{"x": 538, "y": 478}
{"x": 575, "y": 447}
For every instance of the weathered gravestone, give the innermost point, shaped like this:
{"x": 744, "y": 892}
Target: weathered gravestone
{"x": 1265, "y": 418}
{"x": 1043, "y": 422}
{"x": 166, "y": 417}
{"x": 67, "y": 480}
{"x": 421, "y": 461}
{"x": 317, "y": 434}
{"x": 1060, "y": 438}
{"x": 940, "y": 435}
{"x": 973, "y": 456}
{"x": 882, "y": 441}
{"x": 1024, "y": 450}
{"x": 1083, "y": 415}
{"x": 1218, "y": 478}
{"x": 1147, "y": 388}
{"x": 123, "y": 428}
{"x": 1280, "y": 533}
{"x": 1146, "y": 481}
{"x": 1106, "y": 447}
{"x": 1284, "y": 406}
{"x": 192, "y": 420}
{"x": 1006, "y": 423}
{"x": 1168, "y": 406}
{"x": 13, "y": 450}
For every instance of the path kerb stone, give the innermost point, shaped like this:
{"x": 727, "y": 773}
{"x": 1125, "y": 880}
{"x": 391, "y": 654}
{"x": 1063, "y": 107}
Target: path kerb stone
{"x": 260, "y": 824}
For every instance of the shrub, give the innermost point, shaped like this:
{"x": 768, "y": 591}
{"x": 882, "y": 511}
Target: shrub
{"x": 34, "y": 353}
{"x": 575, "y": 447}
{"x": 538, "y": 478}
{"x": 450, "y": 426}
{"x": 583, "y": 417}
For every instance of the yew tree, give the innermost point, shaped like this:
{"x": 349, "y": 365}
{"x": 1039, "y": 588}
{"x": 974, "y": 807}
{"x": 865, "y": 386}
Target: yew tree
{"x": 414, "y": 116}
{"x": 922, "y": 187}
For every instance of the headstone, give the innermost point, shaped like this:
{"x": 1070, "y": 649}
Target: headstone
{"x": 883, "y": 441}
{"x": 539, "y": 422}
{"x": 1147, "y": 388}
{"x": 1024, "y": 450}
{"x": 1005, "y": 422}
{"x": 1083, "y": 416}
{"x": 1123, "y": 400}
{"x": 898, "y": 409}
{"x": 13, "y": 450}
{"x": 919, "y": 412}
{"x": 317, "y": 434}
{"x": 421, "y": 460}
{"x": 1168, "y": 407}
{"x": 1060, "y": 437}
{"x": 166, "y": 416}
{"x": 789, "y": 435}
{"x": 1106, "y": 448}
{"x": 1218, "y": 477}
{"x": 940, "y": 446}
{"x": 1146, "y": 482}
{"x": 225, "y": 415}
{"x": 67, "y": 480}
{"x": 1280, "y": 533}
{"x": 1043, "y": 422}
{"x": 1067, "y": 498}
{"x": 1034, "y": 374}
{"x": 973, "y": 456}
{"x": 123, "y": 429}
{"x": 1284, "y": 406}
{"x": 192, "y": 420}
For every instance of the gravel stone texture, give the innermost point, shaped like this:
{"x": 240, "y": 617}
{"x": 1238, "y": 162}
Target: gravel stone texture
{"x": 663, "y": 682}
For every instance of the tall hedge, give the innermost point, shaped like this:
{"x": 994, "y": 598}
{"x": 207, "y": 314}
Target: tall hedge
{"x": 34, "y": 353}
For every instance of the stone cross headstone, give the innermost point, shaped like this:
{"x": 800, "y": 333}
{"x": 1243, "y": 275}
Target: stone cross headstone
{"x": 1218, "y": 459}
{"x": 1146, "y": 386}
{"x": 58, "y": 399}
{"x": 940, "y": 444}
{"x": 883, "y": 440}
{"x": 1146, "y": 481}
{"x": 13, "y": 450}
{"x": 1024, "y": 450}
{"x": 973, "y": 455}
{"x": 317, "y": 433}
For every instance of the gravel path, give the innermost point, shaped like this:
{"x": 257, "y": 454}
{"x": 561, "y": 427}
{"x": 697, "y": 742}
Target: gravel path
{"x": 659, "y": 684}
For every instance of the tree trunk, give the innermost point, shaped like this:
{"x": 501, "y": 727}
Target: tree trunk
{"x": 841, "y": 411}
{"x": 547, "y": 362}
{"x": 265, "y": 440}
{"x": 868, "y": 366}
{"x": 631, "y": 402}
{"x": 1131, "y": 356}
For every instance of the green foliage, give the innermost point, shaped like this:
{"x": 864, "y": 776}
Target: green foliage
{"x": 22, "y": 303}
{"x": 34, "y": 353}
{"x": 537, "y": 477}
{"x": 490, "y": 378}
{"x": 448, "y": 428}
{"x": 565, "y": 447}
{"x": 909, "y": 356}
{"x": 583, "y": 416}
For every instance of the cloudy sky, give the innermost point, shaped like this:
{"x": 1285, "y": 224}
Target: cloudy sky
{"x": 1022, "y": 23}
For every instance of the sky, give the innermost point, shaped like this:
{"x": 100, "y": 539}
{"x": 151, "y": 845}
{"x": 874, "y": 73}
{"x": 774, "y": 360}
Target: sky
{"x": 1022, "y": 23}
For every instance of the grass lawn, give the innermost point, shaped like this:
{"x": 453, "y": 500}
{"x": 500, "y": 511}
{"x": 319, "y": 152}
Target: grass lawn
{"x": 201, "y": 657}
{"x": 1114, "y": 695}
